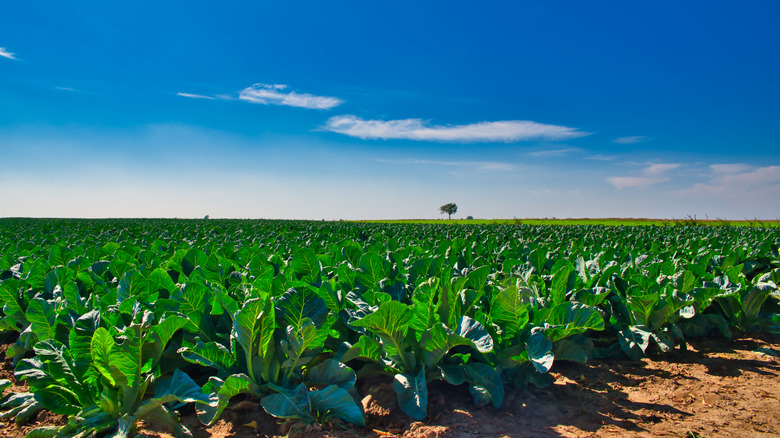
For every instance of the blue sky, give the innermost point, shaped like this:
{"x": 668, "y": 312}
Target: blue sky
{"x": 349, "y": 110}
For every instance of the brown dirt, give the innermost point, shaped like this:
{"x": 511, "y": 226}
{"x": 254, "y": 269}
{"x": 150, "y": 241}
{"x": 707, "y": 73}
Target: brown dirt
{"x": 715, "y": 388}
{"x": 44, "y": 418}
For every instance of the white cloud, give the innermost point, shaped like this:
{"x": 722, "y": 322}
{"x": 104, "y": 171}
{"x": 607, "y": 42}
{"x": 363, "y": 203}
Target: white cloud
{"x": 758, "y": 177}
{"x": 273, "y": 94}
{"x": 481, "y": 165}
{"x": 761, "y": 183}
{"x": 624, "y": 182}
{"x": 503, "y": 167}
{"x": 659, "y": 168}
{"x": 631, "y": 140}
{"x": 416, "y": 129}
{"x": 654, "y": 174}
{"x": 554, "y": 153}
{"x": 6, "y": 54}
{"x": 730, "y": 168}
{"x": 195, "y": 96}
{"x": 600, "y": 157}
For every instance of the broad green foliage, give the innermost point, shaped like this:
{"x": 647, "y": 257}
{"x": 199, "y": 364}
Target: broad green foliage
{"x": 117, "y": 320}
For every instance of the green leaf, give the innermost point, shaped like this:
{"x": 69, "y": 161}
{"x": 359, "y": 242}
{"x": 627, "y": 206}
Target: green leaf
{"x": 221, "y": 393}
{"x": 306, "y": 266}
{"x": 169, "y": 325}
{"x": 703, "y": 296}
{"x": 80, "y": 338}
{"x": 718, "y": 322}
{"x": 685, "y": 281}
{"x": 508, "y": 310}
{"x": 121, "y": 263}
{"x": 352, "y": 251}
{"x": 591, "y": 297}
{"x": 36, "y": 279}
{"x": 193, "y": 258}
{"x": 253, "y": 328}
{"x": 424, "y": 299}
{"x": 447, "y": 305}
{"x": 21, "y": 407}
{"x": 212, "y": 271}
{"x": 477, "y": 278}
{"x": 331, "y": 293}
{"x": 375, "y": 267}
{"x": 179, "y": 387}
{"x": 642, "y": 307}
{"x": 331, "y": 372}
{"x": 390, "y": 322}
{"x": 10, "y": 299}
{"x": 752, "y": 302}
{"x": 132, "y": 285}
{"x": 159, "y": 280}
{"x": 486, "y": 386}
{"x": 570, "y": 318}
{"x": 110, "y": 248}
{"x": 209, "y": 354}
{"x": 476, "y": 333}
{"x": 453, "y": 373}
{"x": 288, "y": 403}
{"x": 43, "y": 318}
{"x": 301, "y": 345}
{"x": 56, "y": 255}
{"x": 562, "y": 282}
{"x": 44, "y": 432}
{"x": 365, "y": 348}
{"x": 58, "y": 399}
{"x": 574, "y": 349}
{"x": 437, "y": 341}
{"x": 539, "y": 350}
{"x": 126, "y": 356}
{"x": 337, "y": 402}
{"x": 53, "y": 369}
{"x": 192, "y": 297}
{"x": 296, "y": 305}
{"x": 419, "y": 270}
{"x": 227, "y": 302}
{"x": 634, "y": 341}
{"x": 412, "y": 394}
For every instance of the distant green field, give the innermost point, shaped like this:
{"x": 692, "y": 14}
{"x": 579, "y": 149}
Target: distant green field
{"x": 590, "y": 221}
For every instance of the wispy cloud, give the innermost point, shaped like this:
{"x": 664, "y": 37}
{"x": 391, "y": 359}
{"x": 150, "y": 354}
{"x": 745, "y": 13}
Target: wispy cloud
{"x": 480, "y": 165}
{"x": 653, "y": 174}
{"x": 67, "y": 89}
{"x": 631, "y": 140}
{"x": 730, "y": 168}
{"x": 275, "y": 94}
{"x": 738, "y": 181}
{"x": 600, "y": 157}
{"x": 195, "y": 96}
{"x": 6, "y": 54}
{"x": 624, "y": 182}
{"x": 554, "y": 153}
{"x": 659, "y": 168}
{"x": 417, "y": 129}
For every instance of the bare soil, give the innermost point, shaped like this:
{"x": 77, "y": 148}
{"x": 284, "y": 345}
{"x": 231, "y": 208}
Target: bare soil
{"x": 715, "y": 388}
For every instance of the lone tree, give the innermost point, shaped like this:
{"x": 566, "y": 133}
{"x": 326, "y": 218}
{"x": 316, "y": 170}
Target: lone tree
{"x": 450, "y": 209}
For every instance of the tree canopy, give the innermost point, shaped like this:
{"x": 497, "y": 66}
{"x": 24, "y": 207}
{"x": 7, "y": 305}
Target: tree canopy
{"x": 450, "y": 209}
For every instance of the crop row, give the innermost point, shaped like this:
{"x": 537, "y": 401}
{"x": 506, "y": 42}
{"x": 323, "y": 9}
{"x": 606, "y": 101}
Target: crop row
{"x": 113, "y": 321}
